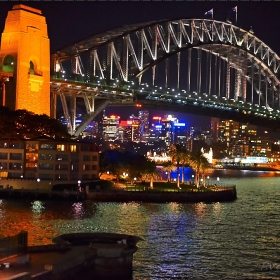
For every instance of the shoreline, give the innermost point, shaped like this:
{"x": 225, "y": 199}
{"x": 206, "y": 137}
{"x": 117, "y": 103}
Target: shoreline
{"x": 220, "y": 194}
{"x": 251, "y": 168}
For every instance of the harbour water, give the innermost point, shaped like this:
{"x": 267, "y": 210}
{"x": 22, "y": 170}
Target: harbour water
{"x": 236, "y": 240}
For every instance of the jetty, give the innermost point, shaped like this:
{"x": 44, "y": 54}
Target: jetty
{"x": 211, "y": 194}
{"x": 92, "y": 255}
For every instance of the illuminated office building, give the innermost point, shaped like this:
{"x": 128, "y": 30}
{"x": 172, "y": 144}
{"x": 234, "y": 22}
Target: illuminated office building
{"x": 144, "y": 125}
{"x": 129, "y": 130}
{"x": 111, "y": 128}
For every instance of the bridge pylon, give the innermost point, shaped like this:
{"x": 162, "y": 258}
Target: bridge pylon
{"x": 25, "y": 54}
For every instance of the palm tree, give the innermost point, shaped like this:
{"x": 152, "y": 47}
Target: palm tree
{"x": 151, "y": 172}
{"x": 151, "y": 175}
{"x": 185, "y": 159}
{"x": 175, "y": 155}
{"x": 179, "y": 155}
{"x": 168, "y": 166}
{"x": 199, "y": 163}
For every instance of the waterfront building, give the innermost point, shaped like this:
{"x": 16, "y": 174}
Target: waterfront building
{"x": 237, "y": 139}
{"x": 228, "y": 132}
{"x": 260, "y": 146}
{"x": 48, "y": 159}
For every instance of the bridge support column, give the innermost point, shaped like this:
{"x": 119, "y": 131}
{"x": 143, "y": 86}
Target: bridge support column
{"x": 25, "y": 47}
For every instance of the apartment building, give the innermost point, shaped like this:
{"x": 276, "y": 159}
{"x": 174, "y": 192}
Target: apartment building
{"x": 47, "y": 159}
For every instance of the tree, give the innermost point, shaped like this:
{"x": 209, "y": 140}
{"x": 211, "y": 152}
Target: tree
{"x": 136, "y": 164}
{"x": 119, "y": 162}
{"x": 199, "y": 163}
{"x": 185, "y": 159}
{"x": 168, "y": 166}
{"x": 25, "y": 124}
{"x": 179, "y": 155}
{"x": 112, "y": 161}
{"x": 7, "y": 123}
{"x": 151, "y": 172}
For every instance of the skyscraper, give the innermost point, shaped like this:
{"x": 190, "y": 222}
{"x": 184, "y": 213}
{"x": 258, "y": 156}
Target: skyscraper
{"x": 111, "y": 127}
{"x": 144, "y": 125}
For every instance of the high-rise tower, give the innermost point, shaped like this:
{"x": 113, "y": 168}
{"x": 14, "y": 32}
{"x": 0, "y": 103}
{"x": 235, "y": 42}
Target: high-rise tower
{"x": 25, "y": 52}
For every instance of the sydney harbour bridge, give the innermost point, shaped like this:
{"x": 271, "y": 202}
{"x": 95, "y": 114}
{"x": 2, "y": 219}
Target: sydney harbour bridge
{"x": 198, "y": 66}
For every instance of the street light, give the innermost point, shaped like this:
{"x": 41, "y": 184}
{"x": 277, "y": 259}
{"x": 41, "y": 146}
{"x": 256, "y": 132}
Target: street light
{"x": 79, "y": 185}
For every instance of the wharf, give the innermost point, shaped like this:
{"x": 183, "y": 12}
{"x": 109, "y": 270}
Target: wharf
{"x": 108, "y": 257}
{"x": 219, "y": 194}
{"x": 40, "y": 264}
{"x": 41, "y": 194}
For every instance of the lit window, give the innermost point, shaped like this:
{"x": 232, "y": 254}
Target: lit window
{"x": 73, "y": 148}
{"x": 60, "y": 147}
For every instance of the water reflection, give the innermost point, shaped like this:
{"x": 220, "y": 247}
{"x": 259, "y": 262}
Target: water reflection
{"x": 37, "y": 207}
{"x": 78, "y": 210}
{"x": 180, "y": 241}
{"x": 222, "y": 174}
{"x": 200, "y": 209}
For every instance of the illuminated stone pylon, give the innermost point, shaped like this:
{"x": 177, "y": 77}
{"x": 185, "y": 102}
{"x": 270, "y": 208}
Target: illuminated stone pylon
{"x": 25, "y": 52}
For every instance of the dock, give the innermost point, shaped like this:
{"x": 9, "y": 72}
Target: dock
{"x": 219, "y": 194}
{"x": 41, "y": 194}
{"x": 106, "y": 256}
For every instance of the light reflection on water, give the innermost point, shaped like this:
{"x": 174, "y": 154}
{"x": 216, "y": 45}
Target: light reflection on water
{"x": 180, "y": 241}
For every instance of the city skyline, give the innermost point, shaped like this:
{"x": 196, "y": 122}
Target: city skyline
{"x": 188, "y": 118}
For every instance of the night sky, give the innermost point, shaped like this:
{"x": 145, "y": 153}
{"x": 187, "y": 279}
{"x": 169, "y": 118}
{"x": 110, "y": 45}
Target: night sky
{"x": 70, "y": 22}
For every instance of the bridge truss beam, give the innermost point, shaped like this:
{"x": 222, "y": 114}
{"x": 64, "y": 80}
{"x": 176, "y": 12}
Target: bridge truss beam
{"x": 231, "y": 64}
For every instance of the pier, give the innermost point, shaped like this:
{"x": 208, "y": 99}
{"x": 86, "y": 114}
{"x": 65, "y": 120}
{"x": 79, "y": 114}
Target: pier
{"x": 96, "y": 255}
{"x": 216, "y": 194}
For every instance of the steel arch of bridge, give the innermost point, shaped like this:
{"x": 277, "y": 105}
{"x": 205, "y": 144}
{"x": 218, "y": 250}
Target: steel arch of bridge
{"x": 126, "y": 54}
